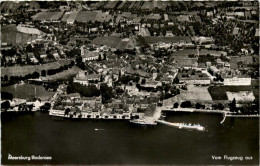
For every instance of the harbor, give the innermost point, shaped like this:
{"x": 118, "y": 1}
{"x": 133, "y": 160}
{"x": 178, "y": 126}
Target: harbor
{"x": 143, "y": 121}
{"x": 113, "y": 139}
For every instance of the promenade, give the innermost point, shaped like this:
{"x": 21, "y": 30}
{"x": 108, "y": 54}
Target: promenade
{"x": 191, "y": 110}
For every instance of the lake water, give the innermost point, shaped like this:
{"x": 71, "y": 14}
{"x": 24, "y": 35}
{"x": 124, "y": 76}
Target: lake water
{"x": 120, "y": 142}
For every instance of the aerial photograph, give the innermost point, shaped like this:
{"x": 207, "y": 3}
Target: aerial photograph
{"x": 129, "y": 82}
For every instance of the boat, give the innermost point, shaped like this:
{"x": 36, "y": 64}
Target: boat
{"x": 143, "y": 122}
{"x": 183, "y": 125}
{"x": 190, "y": 126}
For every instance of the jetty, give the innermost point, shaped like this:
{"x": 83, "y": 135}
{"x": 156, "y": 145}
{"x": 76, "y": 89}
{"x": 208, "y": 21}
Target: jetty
{"x": 228, "y": 114}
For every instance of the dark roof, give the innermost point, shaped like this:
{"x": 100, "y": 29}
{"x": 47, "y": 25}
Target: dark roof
{"x": 175, "y": 39}
{"x": 111, "y": 41}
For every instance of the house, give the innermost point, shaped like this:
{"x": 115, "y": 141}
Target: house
{"x": 213, "y": 70}
{"x": 248, "y": 14}
{"x": 237, "y": 80}
{"x": 210, "y": 14}
{"x": 203, "y": 40}
{"x": 235, "y": 31}
{"x": 140, "y": 73}
{"x": 169, "y": 34}
{"x": 227, "y": 65}
{"x": 88, "y": 55}
{"x": 257, "y": 32}
{"x": 56, "y": 55}
{"x": 32, "y": 58}
{"x": 70, "y": 100}
{"x": 109, "y": 80}
{"x": 197, "y": 79}
{"x": 166, "y": 80}
{"x": 170, "y": 23}
{"x": 144, "y": 104}
{"x": 166, "y": 18}
{"x": 145, "y": 32}
{"x": 84, "y": 79}
{"x": 152, "y": 84}
{"x": 91, "y": 103}
{"x": 186, "y": 62}
{"x": 43, "y": 56}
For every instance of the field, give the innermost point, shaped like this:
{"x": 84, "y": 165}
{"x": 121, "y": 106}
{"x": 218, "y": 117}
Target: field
{"x": 70, "y": 17}
{"x": 111, "y": 5}
{"x": 121, "y": 5}
{"x": 24, "y": 70}
{"x": 219, "y": 92}
{"x": 9, "y": 6}
{"x": 241, "y": 96}
{"x": 102, "y": 17}
{"x": 194, "y": 93}
{"x": 85, "y": 16}
{"x": 154, "y": 4}
{"x": 110, "y": 41}
{"x": 28, "y": 91}
{"x": 62, "y": 75}
{"x": 8, "y": 34}
{"x": 48, "y": 16}
{"x": 11, "y": 36}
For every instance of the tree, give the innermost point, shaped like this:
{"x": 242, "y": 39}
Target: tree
{"x": 45, "y": 107}
{"x": 43, "y": 73}
{"x": 99, "y": 57}
{"x": 30, "y": 107}
{"x": 186, "y": 104}
{"x": 232, "y": 105}
{"x": 143, "y": 81}
{"x": 106, "y": 92}
{"x": 29, "y": 48}
{"x": 6, "y": 96}
{"x": 198, "y": 105}
{"x": 35, "y": 75}
{"x": 136, "y": 79}
{"x": 220, "y": 106}
{"x": 67, "y": 111}
{"x": 176, "y": 105}
{"x": 5, "y": 78}
{"x": 176, "y": 80}
{"x": 140, "y": 110}
{"x": 5, "y": 105}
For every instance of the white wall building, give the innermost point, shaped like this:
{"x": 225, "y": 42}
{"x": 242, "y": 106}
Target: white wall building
{"x": 237, "y": 80}
{"x": 205, "y": 81}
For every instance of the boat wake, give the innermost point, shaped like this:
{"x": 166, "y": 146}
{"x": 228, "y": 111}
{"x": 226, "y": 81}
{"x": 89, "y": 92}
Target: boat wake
{"x": 99, "y": 129}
